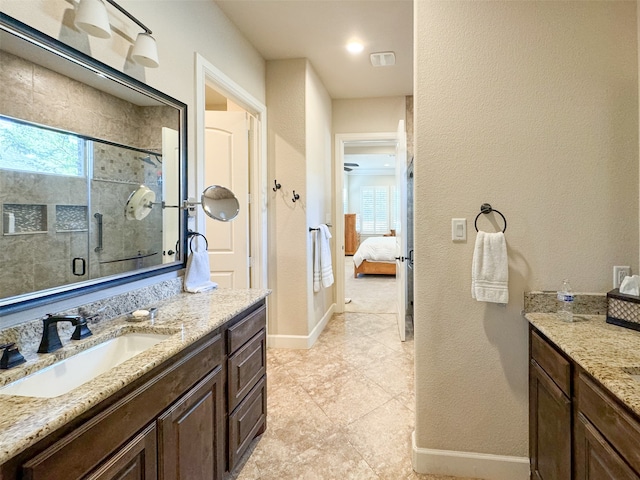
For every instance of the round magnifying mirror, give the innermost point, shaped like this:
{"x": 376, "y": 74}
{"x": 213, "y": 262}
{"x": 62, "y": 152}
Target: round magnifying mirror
{"x": 220, "y": 203}
{"x": 139, "y": 203}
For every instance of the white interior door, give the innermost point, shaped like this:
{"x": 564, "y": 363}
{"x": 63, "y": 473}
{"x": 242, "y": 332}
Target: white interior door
{"x": 170, "y": 194}
{"x": 401, "y": 228}
{"x": 227, "y": 164}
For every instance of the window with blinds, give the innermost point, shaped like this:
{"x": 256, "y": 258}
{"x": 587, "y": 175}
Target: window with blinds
{"x": 375, "y": 214}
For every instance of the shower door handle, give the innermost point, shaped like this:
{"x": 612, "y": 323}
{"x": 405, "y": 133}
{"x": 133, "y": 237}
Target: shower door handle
{"x": 98, "y": 217}
{"x": 83, "y": 266}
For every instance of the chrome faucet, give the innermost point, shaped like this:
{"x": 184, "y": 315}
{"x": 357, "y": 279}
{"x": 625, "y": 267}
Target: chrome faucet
{"x": 51, "y": 340}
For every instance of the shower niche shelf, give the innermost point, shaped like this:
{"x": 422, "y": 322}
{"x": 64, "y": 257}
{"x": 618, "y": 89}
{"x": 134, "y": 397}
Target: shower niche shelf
{"x": 23, "y": 219}
{"x": 71, "y": 218}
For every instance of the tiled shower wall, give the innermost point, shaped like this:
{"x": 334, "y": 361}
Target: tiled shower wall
{"x": 36, "y": 261}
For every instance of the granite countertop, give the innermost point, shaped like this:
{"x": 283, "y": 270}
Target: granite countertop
{"x": 185, "y": 317}
{"x": 607, "y": 352}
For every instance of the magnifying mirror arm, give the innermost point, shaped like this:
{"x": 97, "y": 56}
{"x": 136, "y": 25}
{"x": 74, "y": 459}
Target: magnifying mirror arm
{"x": 186, "y": 205}
{"x": 217, "y": 202}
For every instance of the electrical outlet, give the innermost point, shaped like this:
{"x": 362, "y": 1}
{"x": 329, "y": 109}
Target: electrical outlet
{"x": 619, "y": 273}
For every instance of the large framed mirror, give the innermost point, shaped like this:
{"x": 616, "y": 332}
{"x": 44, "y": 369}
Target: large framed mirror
{"x": 77, "y": 140}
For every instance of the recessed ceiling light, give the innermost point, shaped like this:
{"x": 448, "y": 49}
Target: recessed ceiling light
{"x": 355, "y": 47}
{"x": 387, "y": 165}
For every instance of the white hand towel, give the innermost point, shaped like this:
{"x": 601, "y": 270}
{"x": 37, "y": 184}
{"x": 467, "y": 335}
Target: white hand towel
{"x": 197, "y": 277}
{"x": 490, "y": 269}
{"x": 322, "y": 268}
{"x": 325, "y": 256}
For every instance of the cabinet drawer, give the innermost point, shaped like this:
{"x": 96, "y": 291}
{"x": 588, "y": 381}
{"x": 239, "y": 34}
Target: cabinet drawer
{"x": 245, "y": 368}
{"x": 247, "y": 421}
{"x": 620, "y": 429}
{"x": 552, "y": 362}
{"x": 245, "y": 329}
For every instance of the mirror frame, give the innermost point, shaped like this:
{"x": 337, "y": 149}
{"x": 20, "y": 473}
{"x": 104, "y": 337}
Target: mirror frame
{"x": 34, "y": 299}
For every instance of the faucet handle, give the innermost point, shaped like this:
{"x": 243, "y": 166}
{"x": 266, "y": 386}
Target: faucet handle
{"x": 11, "y": 356}
{"x": 82, "y": 329}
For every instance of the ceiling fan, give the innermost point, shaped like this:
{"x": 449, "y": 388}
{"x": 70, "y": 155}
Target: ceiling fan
{"x": 348, "y": 165}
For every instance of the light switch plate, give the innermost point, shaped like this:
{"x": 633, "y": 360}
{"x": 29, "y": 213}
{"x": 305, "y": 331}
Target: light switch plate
{"x": 459, "y": 229}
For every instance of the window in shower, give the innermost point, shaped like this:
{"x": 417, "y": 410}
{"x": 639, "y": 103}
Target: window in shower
{"x": 31, "y": 148}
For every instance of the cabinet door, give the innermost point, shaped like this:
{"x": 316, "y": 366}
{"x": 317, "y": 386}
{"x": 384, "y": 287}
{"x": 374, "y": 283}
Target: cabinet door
{"x": 595, "y": 458}
{"x": 190, "y": 434}
{"x": 549, "y": 427}
{"x": 135, "y": 461}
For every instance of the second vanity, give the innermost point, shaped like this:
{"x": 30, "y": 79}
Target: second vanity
{"x": 185, "y": 408}
{"x": 584, "y": 399}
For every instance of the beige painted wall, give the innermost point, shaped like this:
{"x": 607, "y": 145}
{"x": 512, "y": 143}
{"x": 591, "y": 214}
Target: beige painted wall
{"x": 368, "y": 115}
{"x": 532, "y": 107}
{"x": 319, "y": 184}
{"x": 287, "y": 219}
{"x": 299, "y": 158}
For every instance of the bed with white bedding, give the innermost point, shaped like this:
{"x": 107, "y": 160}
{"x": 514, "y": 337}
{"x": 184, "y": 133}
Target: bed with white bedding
{"x": 376, "y": 255}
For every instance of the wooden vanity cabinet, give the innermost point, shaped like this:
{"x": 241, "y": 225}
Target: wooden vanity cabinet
{"x": 578, "y": 430}
{"x": 172, "y": 423}
{"x": 246, "y": 384}
{"x": 549, "y": 412}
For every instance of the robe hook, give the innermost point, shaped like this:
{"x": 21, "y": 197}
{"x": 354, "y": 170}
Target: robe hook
{"x": 277, "y": 186}
{"x": 295, "y": 196}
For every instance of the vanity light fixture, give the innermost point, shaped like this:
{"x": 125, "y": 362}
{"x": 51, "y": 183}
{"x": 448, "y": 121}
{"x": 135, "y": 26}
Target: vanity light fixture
{"x": 92, "y": 18}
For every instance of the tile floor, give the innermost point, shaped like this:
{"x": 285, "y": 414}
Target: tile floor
{"x": 342, "y": 410}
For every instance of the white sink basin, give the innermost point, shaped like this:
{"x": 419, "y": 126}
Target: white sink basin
{"x": 70, "y": 373}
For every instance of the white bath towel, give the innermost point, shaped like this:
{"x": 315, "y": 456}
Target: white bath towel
{"x": 490, "y": 269}
{"x": 197, "y": 277}
{"x": 322, "y": 268}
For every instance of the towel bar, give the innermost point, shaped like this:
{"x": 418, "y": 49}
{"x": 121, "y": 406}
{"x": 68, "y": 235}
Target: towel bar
{"x": 313, "y": 229}
{"x": 487, "y": 209}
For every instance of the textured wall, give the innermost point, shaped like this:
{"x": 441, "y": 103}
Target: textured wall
{"x": 288, "y": 250}
{"x": 299, "y": 152}
{"x": 319, "y": 183}
{"x": 368, "y": 115}
{"x": 533, "y": 107}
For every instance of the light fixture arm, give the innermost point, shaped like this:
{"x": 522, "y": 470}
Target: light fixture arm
{"x": 131, "y": 17}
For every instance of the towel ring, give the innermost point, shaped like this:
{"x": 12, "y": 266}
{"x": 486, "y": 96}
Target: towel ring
{"x": 194, "y": 235}
{"x": 486, "y": 209}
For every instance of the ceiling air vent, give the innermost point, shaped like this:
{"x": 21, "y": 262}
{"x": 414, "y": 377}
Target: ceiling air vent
{"x": 383, "y": 59}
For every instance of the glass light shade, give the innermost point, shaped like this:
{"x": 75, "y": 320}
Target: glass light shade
{"x": 91, "y": 17}
{"x": 145, "y": 51}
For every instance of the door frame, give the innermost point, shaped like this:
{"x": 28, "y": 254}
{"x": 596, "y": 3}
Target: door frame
{"x": 208, "y": 74}
{"x": 341, "y": 140}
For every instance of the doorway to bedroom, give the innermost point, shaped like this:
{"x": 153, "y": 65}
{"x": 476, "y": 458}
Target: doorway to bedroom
{"x": 370, "y": 222}
{"x": 367, "y": 220}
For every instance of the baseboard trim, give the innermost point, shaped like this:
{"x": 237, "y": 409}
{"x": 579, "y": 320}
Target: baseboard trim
{"x": 468, "y": 464}
{"x": 301, "y": 342}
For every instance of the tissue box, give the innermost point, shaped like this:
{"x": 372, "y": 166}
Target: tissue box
{"x": 623, "y": 310}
